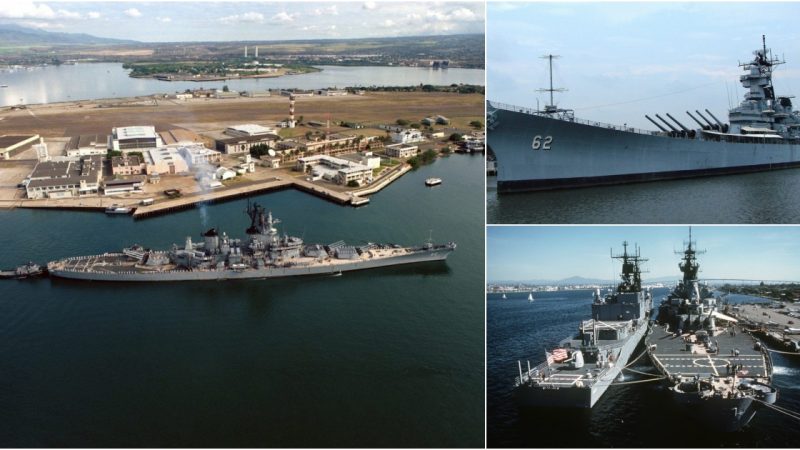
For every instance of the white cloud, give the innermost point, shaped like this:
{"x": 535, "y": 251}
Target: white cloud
{"x": 369, "y": 5}
{"x": 164, "y": 19}
{"x": 93, "y": 14}
{"x": 388, "y": 23}
{"x": 329, "y": 11}
{"x": 42, "y": 25}
{"x": 464, "y": 15}
{"x": 29, "y": 10}
{"x": 248, "y": 17}
{"x": 132, "y": 12}
{"x": 283, "y": 17}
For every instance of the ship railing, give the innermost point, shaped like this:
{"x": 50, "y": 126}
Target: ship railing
{"x": 535, "y": 112}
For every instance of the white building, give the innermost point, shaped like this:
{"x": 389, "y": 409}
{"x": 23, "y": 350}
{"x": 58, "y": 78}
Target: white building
{"x": 165, "y": 160}
{"x": 63, "y": 179}
{"x": 135, "y": 139}
{"x": 338, "y": 170}
{"x": 87, "y": 145}
{"x": 223, "y": 173}
{"x": 401, "y": 150}
{"x": 197, "y": 154}
{"x": 407, "y": 136}
{"x": 248, "y": 129}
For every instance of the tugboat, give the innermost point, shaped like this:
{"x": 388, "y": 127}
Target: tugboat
{"x": 577, "y": 373}
{"x": 118, "y": 209}
{"x": 710, "y": 364}
{"x": 433, "y": 181}
{"x": 29, "y": 270}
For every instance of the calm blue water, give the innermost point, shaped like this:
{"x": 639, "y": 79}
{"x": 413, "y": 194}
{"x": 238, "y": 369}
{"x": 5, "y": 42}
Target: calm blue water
{"x": 638, "y": 415}
{"x": 388, "y": 357}
{"x": 108, "y": 80}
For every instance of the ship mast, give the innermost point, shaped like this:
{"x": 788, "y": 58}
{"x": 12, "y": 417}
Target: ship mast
{"x": 551, "y": 108}
{"x": 631, "y": 272}
{"x": 689, "y": 265}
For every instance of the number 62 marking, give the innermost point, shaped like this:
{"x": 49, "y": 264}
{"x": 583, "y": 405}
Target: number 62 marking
{"x": 542, "y": 143}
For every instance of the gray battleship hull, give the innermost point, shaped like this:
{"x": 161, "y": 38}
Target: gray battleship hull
{"x": 270, "y": 272}
{"x": 536, "y": 396}
{"x": 589, "y": 154}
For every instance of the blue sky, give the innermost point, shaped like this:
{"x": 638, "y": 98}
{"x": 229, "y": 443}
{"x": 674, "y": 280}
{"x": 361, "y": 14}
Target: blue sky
{"x": 681, "y": 53}
{"x": 224, "y": 21}
{"x": 552, "y": 253}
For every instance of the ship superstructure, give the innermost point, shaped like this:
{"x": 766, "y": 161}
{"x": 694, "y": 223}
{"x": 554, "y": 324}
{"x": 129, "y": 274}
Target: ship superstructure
{"x": 710, "y": 364}
{"x": 264, "y": 254}
{"x": 549, "y": 148}
{"x": 578, "y": 371}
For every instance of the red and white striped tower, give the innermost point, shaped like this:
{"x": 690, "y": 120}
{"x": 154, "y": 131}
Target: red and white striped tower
{"x": 291, "y": 110}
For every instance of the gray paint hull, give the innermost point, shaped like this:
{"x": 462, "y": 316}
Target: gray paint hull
{"x": 590, "y": 155}
{"x": 272, "y": 272}
{"x": 581, "y": 397}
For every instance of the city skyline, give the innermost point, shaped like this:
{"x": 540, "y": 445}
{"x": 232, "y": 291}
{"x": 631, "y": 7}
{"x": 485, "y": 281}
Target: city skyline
{"x": 641, "y": 58}
{"x": 555, "y": 253}
{"x": 241, "y": 21}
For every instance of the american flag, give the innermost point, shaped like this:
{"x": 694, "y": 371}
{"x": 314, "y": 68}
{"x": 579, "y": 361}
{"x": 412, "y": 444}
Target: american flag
{"x": 549, "y": 357}
{"x": 560, "y": 354}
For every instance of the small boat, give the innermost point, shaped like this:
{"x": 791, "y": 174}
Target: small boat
{"x": 433, "y": 181}
{"x": 24, "y": 271}
{"x": 3, "y": 85}
{"x": 530, "y": 297}
{"x": 118, "y": 209}
{"x": 504, "y": 296}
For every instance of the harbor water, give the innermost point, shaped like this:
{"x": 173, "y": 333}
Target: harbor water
{"x": 764, "y": 197}
{"x": 385, "y": 357}
{"x": 50, "y": 84}
{"x": 633, "y": 415}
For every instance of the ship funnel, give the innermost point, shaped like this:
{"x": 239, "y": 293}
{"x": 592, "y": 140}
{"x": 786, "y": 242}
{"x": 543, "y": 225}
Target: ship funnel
{"x": 676, "y": 121}
{"x": 712, "y": 125}
{"x": 656, "y": 124}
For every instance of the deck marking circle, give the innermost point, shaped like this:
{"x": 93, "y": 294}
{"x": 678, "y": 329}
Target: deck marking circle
{"x": 713, "y": 361}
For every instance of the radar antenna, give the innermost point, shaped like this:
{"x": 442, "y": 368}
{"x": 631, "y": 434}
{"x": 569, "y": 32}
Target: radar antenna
{"x": 552, "y": 106}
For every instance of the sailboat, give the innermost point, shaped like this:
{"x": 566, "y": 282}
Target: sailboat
{"x": 504, "y": 296}
{"x": 530, "y": 297}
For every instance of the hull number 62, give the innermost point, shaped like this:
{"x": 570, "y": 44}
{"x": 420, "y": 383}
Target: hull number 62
{"x": 541, "y": 142}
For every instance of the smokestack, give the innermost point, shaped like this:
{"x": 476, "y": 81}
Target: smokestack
{"x": 245, "y": 51}
{"x": 256, "y": 52}
{"x": 291, "y": 110}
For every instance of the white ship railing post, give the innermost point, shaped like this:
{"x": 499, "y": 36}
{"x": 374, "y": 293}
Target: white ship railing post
{"x": 519, "y": 363}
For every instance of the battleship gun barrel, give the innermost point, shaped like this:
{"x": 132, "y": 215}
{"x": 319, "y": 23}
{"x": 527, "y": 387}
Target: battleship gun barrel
{"x": 715, "y": 118}
{"x": 712, "y": 125}
{"x": 679, "y": 124}
{"x": 656, "y": 124}
{"x": 702, "y": 125}
{"x": 668, "y": 124}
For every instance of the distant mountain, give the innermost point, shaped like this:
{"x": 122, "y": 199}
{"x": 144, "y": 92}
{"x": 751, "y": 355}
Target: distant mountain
{"x": 582, "y": 280}
{"x": 18, "y": 35}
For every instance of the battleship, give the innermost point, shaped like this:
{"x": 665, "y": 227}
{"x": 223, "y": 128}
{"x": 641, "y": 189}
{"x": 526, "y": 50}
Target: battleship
{"x": 579, "y": 371}
{"x": 719, "y": 372}
{"x": 542, "y": 149}
{"x": 264, "y": 254}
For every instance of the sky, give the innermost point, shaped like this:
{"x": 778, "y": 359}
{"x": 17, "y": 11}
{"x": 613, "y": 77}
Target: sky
{"x": 620, "y": 61}
{"x": 554, "y": 253}
{"x": 231, "y": 21}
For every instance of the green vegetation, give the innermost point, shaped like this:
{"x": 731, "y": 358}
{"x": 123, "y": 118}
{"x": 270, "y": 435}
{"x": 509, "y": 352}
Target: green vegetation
{"x": 426, "y": 157}
{"x": 112, "y": 153}
{"x": 352, "y": 183}
{"x": 402, "y": 122}
{"x": 225, "y": 88}
{"x": 476, "y": 124}
{"x": 786, "y": 291}
{"x": 457, "y": 88}
{"x": 415, "y": 125}
{"x": 259, "y": 150}
{"x": 456, "y": 137}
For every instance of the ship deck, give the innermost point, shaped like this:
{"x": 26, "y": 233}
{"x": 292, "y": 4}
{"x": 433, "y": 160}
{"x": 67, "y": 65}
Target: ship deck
{"x": 736, "y": 347}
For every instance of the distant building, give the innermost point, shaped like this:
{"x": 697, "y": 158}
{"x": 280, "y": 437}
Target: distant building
{"x": 257, "y": 93}
{"x": 195, "y": 155}
{"x": 11, "y": 145}
{"x": 87, "y": 145}
{"x": 442, "y": 120}
{"x": 128, "y": 165}
{"x": 330, "y": 92}
{"x": 407, "y": 136}
{"x": 248, "y": 130}
{"x": 297, "y": 93}
{"x": 135, "y": 139}
{"x": 62, "y": 179}
{"x": 236, "y": 145}
{"x": 436, "y": 135}
{"x": 223, "y": 173}
{"x": 165, "y": 160}
{"x": 219, "y": 93}
{"x": 123, "y": 185}
{"x": 337, "y": 170}
{"x": 179, "y": 137}
{"x": 333, "y": 141}
{"x": 401, "y": 150}
{"x": 428, "y": 121}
